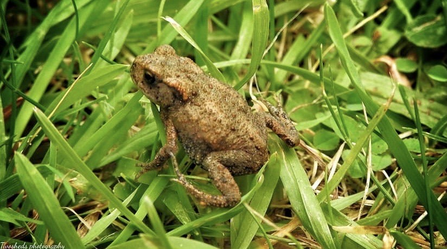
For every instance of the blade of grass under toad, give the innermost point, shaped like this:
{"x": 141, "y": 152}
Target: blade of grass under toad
{"x": 303, "y": 199}
{"x": 395, "y": 144}
{"x": 179, "y": 203}
{"x": 180, "y": 206}
{"x": 260, "y": 202}
{"x": 220, "y": 215}
{"x": 260, "y": 37}
{"x": 43, "y": 200}
{"x": 78, "y": 165}
{"x": 214, "y": 217}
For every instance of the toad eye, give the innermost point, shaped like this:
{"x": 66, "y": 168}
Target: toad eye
{"x": 149, "y": 79}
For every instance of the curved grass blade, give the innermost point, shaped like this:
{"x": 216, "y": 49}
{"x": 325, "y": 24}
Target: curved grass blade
{"x": 46, "y": 204}
{"x": 302, "y": 197}
{"x": 78, "y": 165}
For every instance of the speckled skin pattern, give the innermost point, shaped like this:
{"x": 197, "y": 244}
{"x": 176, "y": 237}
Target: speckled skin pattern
{"x": 213, "y": 122}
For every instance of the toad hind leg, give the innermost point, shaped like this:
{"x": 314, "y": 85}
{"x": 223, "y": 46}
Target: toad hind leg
{"x": 221, "y": 178}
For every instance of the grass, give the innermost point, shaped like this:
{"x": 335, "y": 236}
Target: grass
{"x": 73, "y": 126}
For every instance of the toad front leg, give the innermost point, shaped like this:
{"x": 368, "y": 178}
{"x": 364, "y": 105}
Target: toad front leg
{"x": 221, "y": 177}
{"x": 164, "y": 153}
{"x": 278, "y": 121}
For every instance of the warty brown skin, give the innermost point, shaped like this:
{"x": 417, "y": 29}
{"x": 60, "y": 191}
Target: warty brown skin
{"x": 213, "y": 122}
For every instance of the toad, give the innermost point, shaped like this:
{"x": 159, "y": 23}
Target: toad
{"x": 213, "y": 122}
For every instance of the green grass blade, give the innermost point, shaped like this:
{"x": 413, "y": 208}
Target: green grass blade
{"x": 118, "y": 124}
{"x": 71, "y": 156}
{"x": 218, "y": 5}
{"x": 260, "y": 202}
{"x": 303, "y": 199}
{"x": 116, "y": 42}
{"x": 298, "y": 50}
{"x": 102, "y": 224}
{"x": 220, "y": 215}
{"x": 360, "y": 240}
{"x": 183, "y": 17}
{"x": 310, "y": 76}
{"x": 404, "y": 240}
{"x": 46, "y": 204}
{"x": 52, "y": 63}
{"x": 261, "y": 21}
{"x": 110, "y": 32}
{"x": 3, "y": 140}
{"x": 211, "y": 68}
{"x": 85, "y": 85}
{"x": 156, "y": 223}
{"x": 242, "y": 46}
{"x": 425, "y": 172}
{"x": 398, "y": 149}
{"x": 151, "y": 243}
{"x": 154, "y": 190}
{"x": 59, "y": 13}
{"x": 333, "y": 183}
